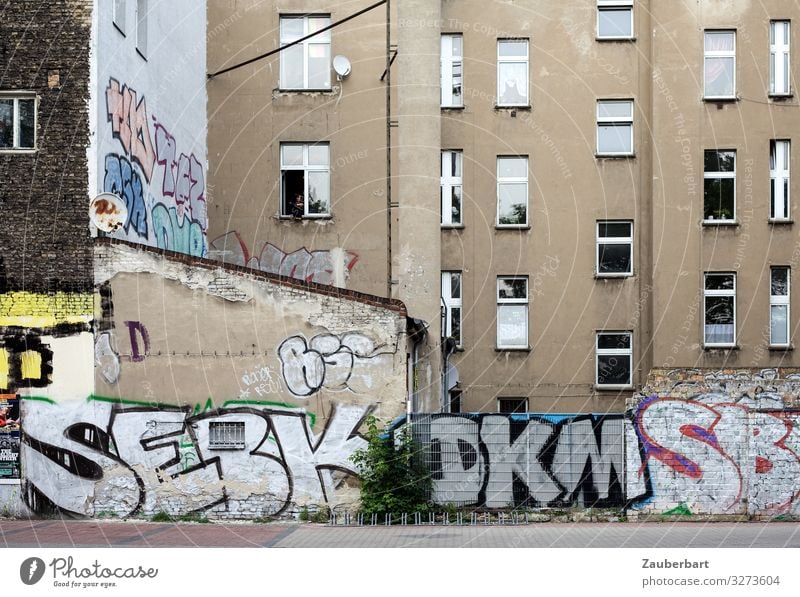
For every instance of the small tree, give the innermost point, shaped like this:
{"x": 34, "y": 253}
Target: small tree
{"x": 393, "y": 477}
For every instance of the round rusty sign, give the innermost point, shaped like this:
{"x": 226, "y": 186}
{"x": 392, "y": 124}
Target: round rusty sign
{"x": 108, "y": 212}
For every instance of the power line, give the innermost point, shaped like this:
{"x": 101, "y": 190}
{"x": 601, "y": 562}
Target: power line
{"x": 297, "y": 41}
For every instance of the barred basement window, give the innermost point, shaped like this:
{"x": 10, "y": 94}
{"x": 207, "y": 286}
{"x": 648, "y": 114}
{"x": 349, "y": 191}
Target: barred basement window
{"x": 226, "y": 436}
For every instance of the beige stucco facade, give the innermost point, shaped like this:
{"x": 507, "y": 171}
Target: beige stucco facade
{"x": 658, "y": 187}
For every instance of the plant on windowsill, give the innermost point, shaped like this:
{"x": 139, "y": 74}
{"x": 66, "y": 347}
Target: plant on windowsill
{"x": 393, "y": 477}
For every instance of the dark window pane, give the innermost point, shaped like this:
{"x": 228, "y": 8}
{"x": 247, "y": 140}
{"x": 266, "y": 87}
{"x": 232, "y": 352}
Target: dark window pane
{"x": 780, "y": 281}
{"x": 719, "y": 310}
{"x": 718, "y": 199}
{"x": 512, "y": 405}
{"x": 455, "y": 401}
{"x": 719, "y": 282}
{"x": 614, "y": 341}
{"x": 614, "y": 259}
{"x": 26, "y": 123}
{"x": 516, "y": 288}
{"x": 455, "y": 324}
{"x": 613, "y": 370}
{"x": 455, "y": 286}
{"x": 293, "y": 201}
{"x": 6, "y": 123}
{"x": 719, "y": 161}
{"x": 614, "y": 229}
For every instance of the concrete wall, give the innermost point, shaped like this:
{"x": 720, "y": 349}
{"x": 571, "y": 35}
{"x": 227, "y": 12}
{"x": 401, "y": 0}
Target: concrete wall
{"x": 150, "y": 122}
{"x": 249, "y": 117}
{"x": 181, "y": 346}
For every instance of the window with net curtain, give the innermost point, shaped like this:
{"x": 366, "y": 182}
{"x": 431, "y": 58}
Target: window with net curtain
{"x": 720, "y": 64}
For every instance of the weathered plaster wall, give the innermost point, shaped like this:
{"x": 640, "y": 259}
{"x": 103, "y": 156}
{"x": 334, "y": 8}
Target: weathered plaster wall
{"x": 183, "y": 346}
{"x": 150, "y": 145}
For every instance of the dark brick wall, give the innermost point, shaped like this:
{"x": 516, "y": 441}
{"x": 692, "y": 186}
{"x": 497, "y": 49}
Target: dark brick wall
{"x": 44, "y": 237}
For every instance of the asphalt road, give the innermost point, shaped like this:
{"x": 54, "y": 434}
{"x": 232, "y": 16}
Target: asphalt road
{"x": 73, "y": 533}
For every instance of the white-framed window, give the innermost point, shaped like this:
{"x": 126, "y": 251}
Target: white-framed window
{"x": 17, "y": 121}
{"x": 226, "y": 435}
{"x": 512, "y": 72}
{"x": 512, "y": 312}
{"x": 719, "y": 308}
{"x": 452, "y": 70}
{"x": 614, "y": 360}
{"x": 451, "y": 295}
{"x": 305, "y": 180}
{"x": 452, "y": 188}
{"x": 512, "y": 191}
{"x": 141, "y": 27}
{"x": 306, "y": 65}
{"x": 720, "y": 64}
{"x": 614, "y": 19}
{"x": 719, "y": 185}
{"x": 118, "y": 15}
{"x": 614, "y": 248}
{"x": 779, "y": 306}
{"x": 780, "y": 74}
{"x": 779, "y": 188}
{"x": 512, "y": 406}
{"x": 615, "y": 127}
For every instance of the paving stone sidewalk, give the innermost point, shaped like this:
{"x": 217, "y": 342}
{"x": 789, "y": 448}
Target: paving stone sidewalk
{"x": 72, "y": 533}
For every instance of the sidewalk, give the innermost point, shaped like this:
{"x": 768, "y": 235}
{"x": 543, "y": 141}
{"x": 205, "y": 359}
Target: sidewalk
{"x": 75, "y": 533}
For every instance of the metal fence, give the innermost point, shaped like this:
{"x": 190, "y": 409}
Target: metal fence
{"x": 523, "y": 461}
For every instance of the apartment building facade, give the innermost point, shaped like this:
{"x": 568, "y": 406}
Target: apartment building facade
{"x": 612, "y": 189}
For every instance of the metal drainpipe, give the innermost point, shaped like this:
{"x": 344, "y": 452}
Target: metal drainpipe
{"x": 388, "y": 149}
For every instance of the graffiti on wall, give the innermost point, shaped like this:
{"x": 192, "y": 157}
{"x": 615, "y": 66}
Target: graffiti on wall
{"x": 321, "y": 267}
{"x": 174, "y": 203}
{"x": 497, "y": 461}
{"x": 716, "y": 455}
{"x": 349, "y": 362}
{"x": 257, "y": 382}
{"x": 85, "y": 458}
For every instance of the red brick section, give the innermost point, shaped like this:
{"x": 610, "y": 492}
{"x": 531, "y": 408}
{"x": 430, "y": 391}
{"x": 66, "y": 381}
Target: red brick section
{"x": 74, "y": 533}
{"x": 361, "y": 297}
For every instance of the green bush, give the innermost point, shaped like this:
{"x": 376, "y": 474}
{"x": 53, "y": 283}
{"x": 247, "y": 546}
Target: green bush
{"x": 393, "y": 477}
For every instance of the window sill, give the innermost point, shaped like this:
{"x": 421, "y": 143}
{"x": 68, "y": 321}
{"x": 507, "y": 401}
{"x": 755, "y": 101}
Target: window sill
{"x": 780, "y": 222}
{"x": 324, "y": 90}
{"x": 612, "y": 276}
{"x": 513, "y": 349}
{"x": 523, "y": 107}
{"x": 10, "y": 151}
{"x": 304, "y": 218}
{"x": 454, "y": 108}
{"x": 624, "y": 39}
{"x": 720, "y": 347}
{"x": 714, "y": 223}
{"x": 620, "y": 388}
{"x": 780, "y": 97}
{"x": 614, "y": 156}
{"x": 452, "y": 226}
{"x": 721, "y": 100}
{"x": 512, "y": 227}
{"x": 10, "y": 481}
{"x": 788, "y": 348}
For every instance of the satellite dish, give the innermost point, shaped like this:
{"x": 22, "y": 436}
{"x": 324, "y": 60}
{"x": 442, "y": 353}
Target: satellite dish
{"x": 108, "y": 212}
{"x": 341, "y": 64}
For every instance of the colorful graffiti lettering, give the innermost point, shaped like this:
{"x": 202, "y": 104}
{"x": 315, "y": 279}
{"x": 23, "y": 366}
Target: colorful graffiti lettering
{"x": 98, "y": 456}
{"x": 323, "y": 267}
{"x": 175, "y": 205}
{"x": 710, "y": 454}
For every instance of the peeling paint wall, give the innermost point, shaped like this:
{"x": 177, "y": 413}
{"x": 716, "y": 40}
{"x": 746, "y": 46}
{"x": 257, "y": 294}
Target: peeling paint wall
{"x": 214, "y": 391}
